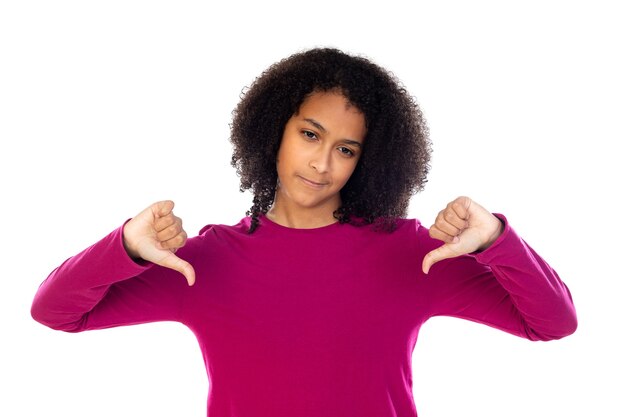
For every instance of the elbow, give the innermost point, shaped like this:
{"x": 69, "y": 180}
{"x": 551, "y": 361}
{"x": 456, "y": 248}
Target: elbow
{"x": 41, "y": 316}
{"x": 562, "y": 327}
{"x": 571, "y": 325}
{"x": 568, "y": 323}
{"x": 38, "y": 313}
{"x": 44, "y": 316}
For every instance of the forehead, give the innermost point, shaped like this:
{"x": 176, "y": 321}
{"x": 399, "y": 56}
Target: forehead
{"x": 333, "y": 99}
{"x": 334, "y": 112}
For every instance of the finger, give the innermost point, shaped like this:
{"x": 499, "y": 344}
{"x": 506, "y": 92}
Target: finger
{"x": 176, "y": 242}
{"x": 436, "y": 255}
{"x": 461, "y": 206}
{"x": 450, "y": 227}
{"x": 163, "y": 208}
{"x": 174, "y": 262}
{"x": 452, "y": 217}
{"x": 161, "y": 223}
{"x": 436, "y": 233}
{"x": 169, "y": 232}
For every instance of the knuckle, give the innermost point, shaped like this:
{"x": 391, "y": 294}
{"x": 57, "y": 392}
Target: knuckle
{"x": 163, "y": 223}
{"x": 180, "y": 239}
{"x": 174, "y": 230}
{"x": 165, "y": 234}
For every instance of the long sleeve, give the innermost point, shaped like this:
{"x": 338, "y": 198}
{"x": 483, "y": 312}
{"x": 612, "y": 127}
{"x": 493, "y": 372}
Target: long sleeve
{"x": 102, "y": 287}
{"x": 508, "y": 286}
{"x": 309, "y": 322}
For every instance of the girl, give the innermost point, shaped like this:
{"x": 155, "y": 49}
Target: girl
{"x": 311, "y": 304}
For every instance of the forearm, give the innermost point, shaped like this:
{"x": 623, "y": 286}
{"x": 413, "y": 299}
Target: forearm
{"x": 543, "y": 300}
{"x": 74, "y": 288}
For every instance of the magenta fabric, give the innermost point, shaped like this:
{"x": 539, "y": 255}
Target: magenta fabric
{"x": 309, "y": 322}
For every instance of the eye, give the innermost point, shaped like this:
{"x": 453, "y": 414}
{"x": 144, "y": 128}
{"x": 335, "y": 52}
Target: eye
{"x": 309, "y": 135}
{"x": 346, "y": 151}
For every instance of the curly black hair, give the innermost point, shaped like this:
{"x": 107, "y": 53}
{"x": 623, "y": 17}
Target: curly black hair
{"x": 396, "y": 153}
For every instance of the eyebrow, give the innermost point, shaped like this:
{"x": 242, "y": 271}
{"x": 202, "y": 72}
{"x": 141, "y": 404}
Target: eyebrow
{"x": 317, "y": 125}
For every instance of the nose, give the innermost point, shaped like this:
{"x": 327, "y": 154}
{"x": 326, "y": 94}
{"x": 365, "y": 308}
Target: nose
{"x": 320, "y": 161}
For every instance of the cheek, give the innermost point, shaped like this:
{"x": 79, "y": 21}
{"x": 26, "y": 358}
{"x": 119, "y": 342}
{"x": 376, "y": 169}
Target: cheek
{"x": 280, "y": 157}
{"x": 347, "y": 172}
{"x": 286, "y": 151}
{"x": 285, "y": 163}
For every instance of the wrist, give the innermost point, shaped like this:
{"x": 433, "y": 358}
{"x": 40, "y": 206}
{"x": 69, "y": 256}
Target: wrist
{"x": 499, "y": 229}
{"x": 132, "y": 253}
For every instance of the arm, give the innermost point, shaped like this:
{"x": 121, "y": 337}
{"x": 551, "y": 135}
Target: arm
{"x": 503, "y": 283}
{"x": 103, "y": 287}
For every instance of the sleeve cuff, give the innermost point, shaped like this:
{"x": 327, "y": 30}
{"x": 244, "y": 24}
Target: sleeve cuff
{"x": 140, "y": 263}
{"x": 487, "y": 255}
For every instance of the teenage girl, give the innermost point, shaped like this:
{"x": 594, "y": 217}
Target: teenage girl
{"x": 311, "y": 305}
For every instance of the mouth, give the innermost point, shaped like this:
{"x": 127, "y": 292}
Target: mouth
{"x": 312, "y": 184}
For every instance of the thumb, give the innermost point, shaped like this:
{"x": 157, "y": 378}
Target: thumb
{"x": 442, "y": 252}
{"x": 174, "y": 262}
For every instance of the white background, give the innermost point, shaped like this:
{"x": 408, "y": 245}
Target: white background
{"x": 106, "y": 107}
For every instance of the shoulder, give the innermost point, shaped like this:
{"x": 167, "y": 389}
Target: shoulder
{"x": 405, "y": 232}
{"x": 218, "y": 229}
{"x": 214, "y": 236}
{"x": 419, "y": 235}
{"x": 408, "y": 224}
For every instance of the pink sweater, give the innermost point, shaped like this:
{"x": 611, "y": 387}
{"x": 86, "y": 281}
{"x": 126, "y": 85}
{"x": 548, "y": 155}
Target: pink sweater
{"x": 309, "y": 323}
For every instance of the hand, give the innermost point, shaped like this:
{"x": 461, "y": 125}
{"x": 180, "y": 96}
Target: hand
{"x": 464, "y": 226}
{"x": 154, "y": 235}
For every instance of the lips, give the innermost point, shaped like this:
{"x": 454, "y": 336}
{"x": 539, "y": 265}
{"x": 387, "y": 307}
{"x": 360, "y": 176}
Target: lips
{"x": 313, "y": 184}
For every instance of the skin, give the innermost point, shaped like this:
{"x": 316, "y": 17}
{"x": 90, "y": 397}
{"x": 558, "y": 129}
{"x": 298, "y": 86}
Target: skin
{"x": 320, "y": 149}
{"x": 465, "y": 227}
{"x": 154, "y": 235}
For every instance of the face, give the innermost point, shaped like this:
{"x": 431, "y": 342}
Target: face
{"x": 320, "y": 148}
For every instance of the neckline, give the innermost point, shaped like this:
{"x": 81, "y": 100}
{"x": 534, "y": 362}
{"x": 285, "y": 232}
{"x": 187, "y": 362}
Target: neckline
{"x": 264, "y": 221}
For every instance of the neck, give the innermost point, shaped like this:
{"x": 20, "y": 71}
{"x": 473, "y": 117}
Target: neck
{"x": 311, "y": 221}
{"x": 300, "y": 218}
